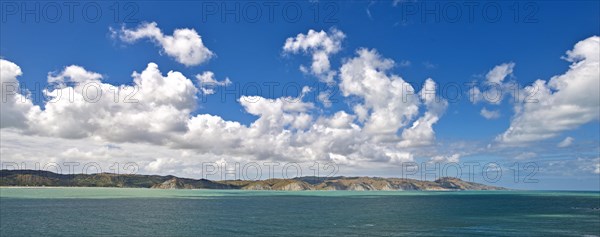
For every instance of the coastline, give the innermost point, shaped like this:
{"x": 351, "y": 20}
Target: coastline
{"x": 37, "y": 178}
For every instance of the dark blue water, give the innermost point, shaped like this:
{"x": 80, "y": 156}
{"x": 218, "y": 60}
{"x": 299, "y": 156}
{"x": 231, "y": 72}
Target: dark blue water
{"x": 302, "y": 214}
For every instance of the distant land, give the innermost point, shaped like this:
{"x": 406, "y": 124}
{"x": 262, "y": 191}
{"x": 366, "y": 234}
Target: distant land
{"x": 39, "y": 178}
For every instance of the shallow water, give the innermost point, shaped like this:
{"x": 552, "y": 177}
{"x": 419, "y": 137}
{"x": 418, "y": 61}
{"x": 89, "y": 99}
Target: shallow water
{"x": 149, "y": 212}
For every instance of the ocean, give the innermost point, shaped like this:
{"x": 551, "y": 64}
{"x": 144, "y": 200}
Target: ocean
{"x": 150, "y": 212}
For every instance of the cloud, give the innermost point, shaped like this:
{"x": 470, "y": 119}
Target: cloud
{"x": 160, "y": 164}
{"x": 498, "y": 73}
{"x": 368, "y": 9}
{"x": 566, "y": 142}
{"x": 92, "y": 154}
{"x": 495, "y": 84}
{"x": 388, "y": 102}
{"x": 320, "y": 45}
{"x": 405, "y": 63}
{"x": 563, "y": 103}
{"x": 208, "y": 82}
{"x": 75, "y": 74}
{"x": 185, "y": 45}
{"x": 324, "y": 97}
{"x": 429, "y": 65}
{"x": 421, "y": 133}
{"x": 582, "y": 166}
{"x": 159, "y": 114}
{"x": 15, "y": 106}
{"x": 147, "y": 111}
{"x": 526, "y": 155}
{"x": 475, "y": 95}
{"x": 578, "y": 166}
{"x": 455, "y": 158}
{"x": 490, "y": 114}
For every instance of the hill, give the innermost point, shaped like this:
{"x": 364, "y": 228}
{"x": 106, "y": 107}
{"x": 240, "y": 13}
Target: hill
{"x": 46, "y": 178}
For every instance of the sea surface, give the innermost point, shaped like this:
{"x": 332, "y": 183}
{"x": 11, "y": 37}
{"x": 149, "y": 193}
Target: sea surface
{"x": 150, "y": 212}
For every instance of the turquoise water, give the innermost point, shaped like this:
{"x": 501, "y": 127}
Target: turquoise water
{"x": 148, "y": 212}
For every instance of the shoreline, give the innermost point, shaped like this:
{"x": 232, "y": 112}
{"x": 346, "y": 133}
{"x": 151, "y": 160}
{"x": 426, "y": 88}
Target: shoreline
{"x": 319, "y": 190}
{"x": 57, "y": 187}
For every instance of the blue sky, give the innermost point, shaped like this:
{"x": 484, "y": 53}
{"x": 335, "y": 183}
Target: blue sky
{"x": 252, "y": 52}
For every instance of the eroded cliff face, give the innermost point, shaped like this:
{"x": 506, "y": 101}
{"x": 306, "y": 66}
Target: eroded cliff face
{"x": 296, "y": 186}
{"x": 278, "y": 184}
{"x": 169, "y": 184}
{"x": 173, "y": 183}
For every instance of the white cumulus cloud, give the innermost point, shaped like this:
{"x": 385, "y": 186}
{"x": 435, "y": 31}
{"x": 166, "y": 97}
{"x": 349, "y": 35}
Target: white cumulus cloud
{"x": 185, "y": 45}
{"x": 208, "y": 82}
{"x": 387, "y": 117}
{"x": 563, "y": 103}
{"x": 320, "y": 45}
{"x": 15, "y": 106}
{"x": 498, "y": 73}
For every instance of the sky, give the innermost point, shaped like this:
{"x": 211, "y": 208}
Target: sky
{"x": 500, "y": 92}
